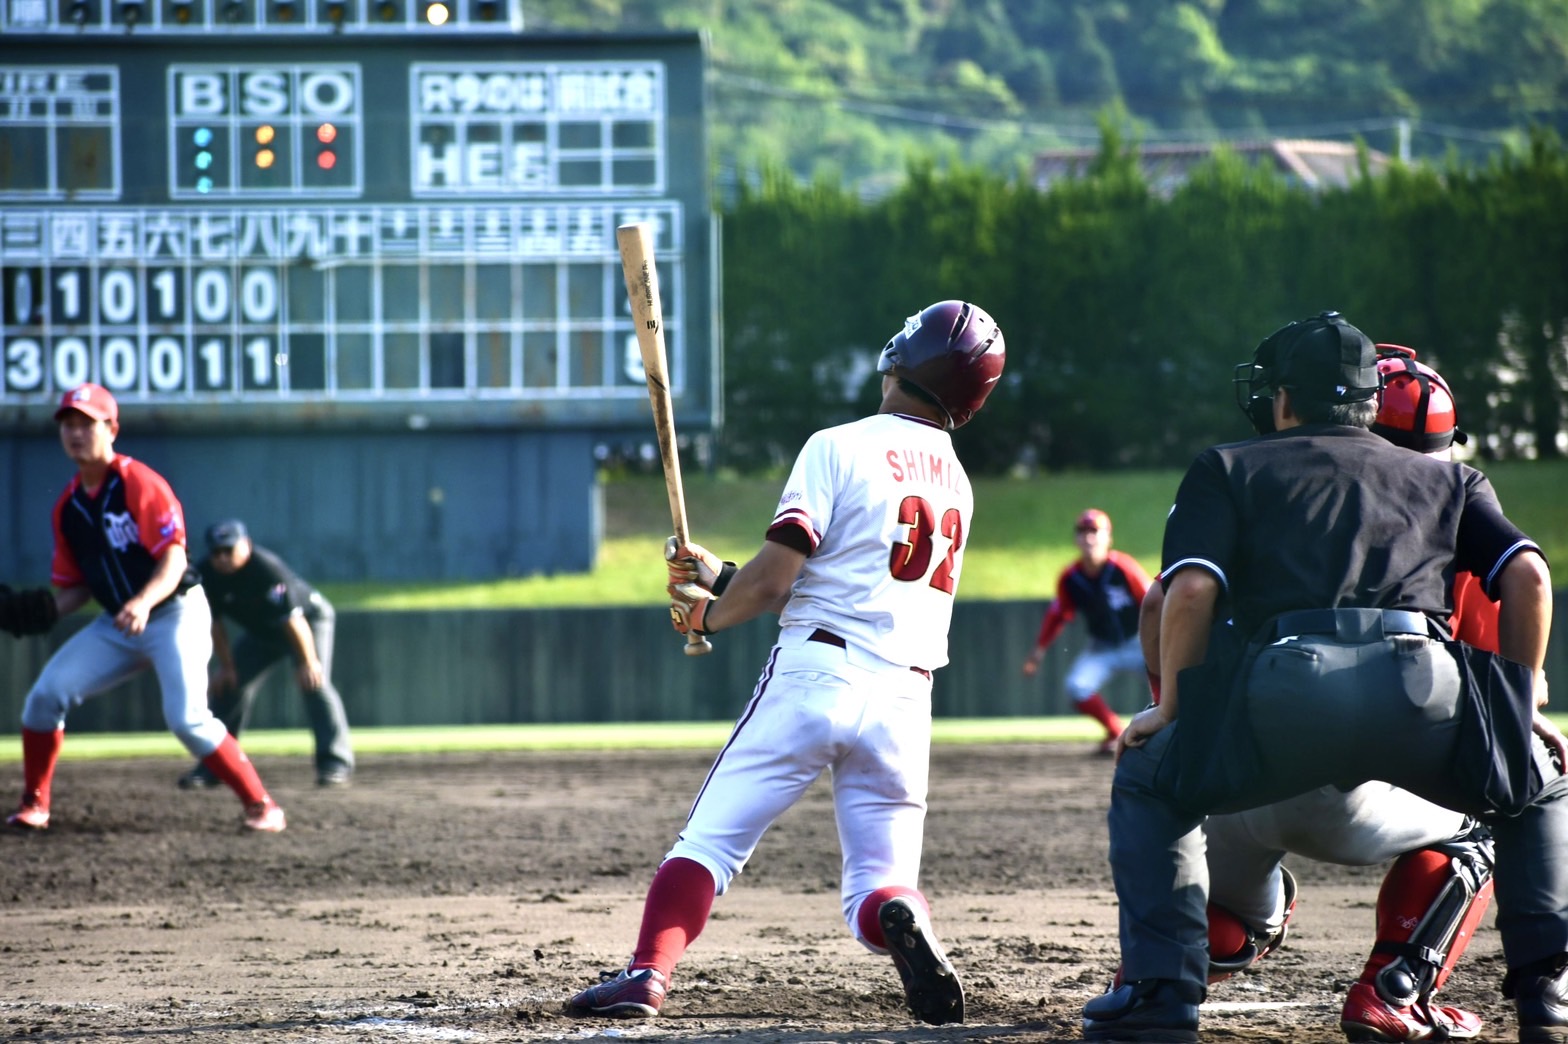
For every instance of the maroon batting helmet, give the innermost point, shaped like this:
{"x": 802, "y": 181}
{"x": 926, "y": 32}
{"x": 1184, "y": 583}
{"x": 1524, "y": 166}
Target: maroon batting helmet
{"x": 1415, "y": 408}
{"x": 954, "y": 352}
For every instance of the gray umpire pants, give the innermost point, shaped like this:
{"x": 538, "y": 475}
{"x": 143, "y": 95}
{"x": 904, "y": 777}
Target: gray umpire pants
{"x": 255, "y": 657}
{"x": 1329, "y": 713}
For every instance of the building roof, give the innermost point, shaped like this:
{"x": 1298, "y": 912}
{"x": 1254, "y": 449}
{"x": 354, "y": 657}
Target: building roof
{"x": 1312, "y": 164}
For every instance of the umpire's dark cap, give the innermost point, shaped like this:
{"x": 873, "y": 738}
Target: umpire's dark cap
{"x": 223, "y": 535}
{"x": 1323, "y": 359}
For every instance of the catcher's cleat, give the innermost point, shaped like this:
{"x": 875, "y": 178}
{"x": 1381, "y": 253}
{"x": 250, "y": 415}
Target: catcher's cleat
{"x": 265, "y": 817}
{"x": 635, "y": 993}
{"x": 1107, "y": 746}
{"x": 29, "y": 817}
{"x": 931, "y": 985}
{"x": 1368, "y": 1017}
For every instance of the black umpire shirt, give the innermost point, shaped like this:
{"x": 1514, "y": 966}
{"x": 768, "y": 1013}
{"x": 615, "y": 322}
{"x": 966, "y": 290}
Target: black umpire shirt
{"x": 260, "y": 595}
{"x": 1324, "y": 516}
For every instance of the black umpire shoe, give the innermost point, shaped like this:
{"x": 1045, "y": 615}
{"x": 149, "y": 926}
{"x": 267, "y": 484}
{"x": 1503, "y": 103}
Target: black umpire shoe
{"x": 1540, "y": 991}
{"x": 334, "y": 777}
{"x": 198, "y": 778}
{"x": 1149, "y": 1010}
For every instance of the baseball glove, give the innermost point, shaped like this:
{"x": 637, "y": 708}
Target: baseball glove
{"x": 27, "y": 612}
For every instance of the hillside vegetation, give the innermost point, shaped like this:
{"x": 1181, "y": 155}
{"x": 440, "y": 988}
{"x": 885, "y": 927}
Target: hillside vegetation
{"x": 850, "y": 88}
{"x": 1022, "y": 535}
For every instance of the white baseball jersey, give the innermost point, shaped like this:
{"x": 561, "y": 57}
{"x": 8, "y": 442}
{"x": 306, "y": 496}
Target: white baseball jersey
{"x": 886, "y": 507}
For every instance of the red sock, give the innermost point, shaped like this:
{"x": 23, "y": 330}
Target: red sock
{"x": 1154, "y": 686}
{"x": 230, "y": 764}
{"x": 866, "y": 919}
{"x": 674, "y": 914}
{"x": 1407, "y": 893}
{"x": 40, "y": 751}
{"x": 1095, "y": 707}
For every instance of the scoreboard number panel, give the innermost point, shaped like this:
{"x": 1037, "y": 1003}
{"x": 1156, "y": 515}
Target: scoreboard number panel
{"x": 282, "y": 231}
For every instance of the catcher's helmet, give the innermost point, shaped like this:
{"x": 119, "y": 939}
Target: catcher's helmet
{"x": 1321, "y": 359}
{"x": 953, "y": 351}
{"x": 1416, "y": 409}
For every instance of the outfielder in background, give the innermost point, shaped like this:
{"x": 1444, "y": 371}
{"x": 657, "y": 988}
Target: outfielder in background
{"x": 1440, "y": 883}
{"x": 119, "y": 538}
{"x": 861, "y": 562}
{"x": 1334, "y": 551}
{"x": 1107, "y": 587}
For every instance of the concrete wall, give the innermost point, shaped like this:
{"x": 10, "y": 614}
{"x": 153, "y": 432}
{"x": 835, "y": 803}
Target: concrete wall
{"x": 589, "y": 665}
{"x": 385, "y": 505}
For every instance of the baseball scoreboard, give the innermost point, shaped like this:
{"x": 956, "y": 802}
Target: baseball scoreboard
{"x": 321, "y": 229}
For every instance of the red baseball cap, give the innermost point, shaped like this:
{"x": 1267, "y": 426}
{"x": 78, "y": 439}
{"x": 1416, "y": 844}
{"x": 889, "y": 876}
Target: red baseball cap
{"x": 1092, "y": 519}
{"x": 92, "y": 399}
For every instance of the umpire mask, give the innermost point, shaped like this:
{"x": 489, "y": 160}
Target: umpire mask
{"x": 1253, "y": 384}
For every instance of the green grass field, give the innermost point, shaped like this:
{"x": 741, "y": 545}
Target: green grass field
{"x": 440, "y": 739}
{"x": 1022, "y": 535}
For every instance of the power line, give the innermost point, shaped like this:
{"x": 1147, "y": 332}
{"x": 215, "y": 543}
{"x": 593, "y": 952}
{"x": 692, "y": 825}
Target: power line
{"x": 1079, "y": 132}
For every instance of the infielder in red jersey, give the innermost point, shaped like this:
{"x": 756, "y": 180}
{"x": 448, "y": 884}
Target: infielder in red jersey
{"x": 861, "y": 562}
{"x": 1107, "y": 587}
{"x": 119, "y": 538}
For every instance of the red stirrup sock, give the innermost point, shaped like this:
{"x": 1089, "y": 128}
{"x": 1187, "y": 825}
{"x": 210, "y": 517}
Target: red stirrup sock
{"x": 1412, "y": 883}
{"x": 40, "y": 751}
{"x": 866, "y": 918}
{"x": 674, "y": 914}
{"x": 1095, "y": 708}
{"x": 230, "y": 764}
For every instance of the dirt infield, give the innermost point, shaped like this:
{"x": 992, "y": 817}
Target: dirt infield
{"x": 464, "y": 897}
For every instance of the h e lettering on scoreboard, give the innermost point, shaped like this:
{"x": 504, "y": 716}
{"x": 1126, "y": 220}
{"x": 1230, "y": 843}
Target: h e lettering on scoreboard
{"x": 221, "y": 226}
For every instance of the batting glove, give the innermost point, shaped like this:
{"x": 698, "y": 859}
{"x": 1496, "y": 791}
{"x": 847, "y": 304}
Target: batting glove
{"x": 694, "y": 564}
{"x": 689, "y": 605}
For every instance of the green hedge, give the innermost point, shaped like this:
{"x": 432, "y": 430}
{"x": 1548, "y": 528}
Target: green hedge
{"x": 1125, "y": 310}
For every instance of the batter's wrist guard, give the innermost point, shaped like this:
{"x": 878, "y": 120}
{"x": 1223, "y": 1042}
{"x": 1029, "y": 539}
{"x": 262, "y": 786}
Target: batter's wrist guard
{"x": 726, "y": 574}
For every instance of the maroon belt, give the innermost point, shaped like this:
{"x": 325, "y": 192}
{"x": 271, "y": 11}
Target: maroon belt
{"x": 829, "y": 638}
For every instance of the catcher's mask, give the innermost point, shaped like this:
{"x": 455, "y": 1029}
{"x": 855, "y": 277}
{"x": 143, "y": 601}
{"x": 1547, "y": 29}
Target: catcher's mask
{"x": 1416, "y": 409}
{"x": 1321, "y": 359}
{"x": 954, "y": 352}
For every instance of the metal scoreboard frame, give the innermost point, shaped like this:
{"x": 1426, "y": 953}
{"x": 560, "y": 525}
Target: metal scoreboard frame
{"x": 333, "y": 231}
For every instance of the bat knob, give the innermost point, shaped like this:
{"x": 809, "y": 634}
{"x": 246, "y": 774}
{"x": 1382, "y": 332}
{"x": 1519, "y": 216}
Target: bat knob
{"x": 697, "y": 645}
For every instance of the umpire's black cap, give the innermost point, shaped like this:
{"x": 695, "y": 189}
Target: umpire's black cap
{"x": 1323, "y": 359}
{"x": 223, "y": 535}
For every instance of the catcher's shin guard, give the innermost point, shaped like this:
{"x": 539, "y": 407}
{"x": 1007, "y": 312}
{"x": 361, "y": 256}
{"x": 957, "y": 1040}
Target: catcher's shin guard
{"x": 1257, "y": 946}
{"x": 1423, "y": 962}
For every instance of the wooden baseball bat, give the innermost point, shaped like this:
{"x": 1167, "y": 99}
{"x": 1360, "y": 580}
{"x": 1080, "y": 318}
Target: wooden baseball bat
{"x": 642, "y": 286}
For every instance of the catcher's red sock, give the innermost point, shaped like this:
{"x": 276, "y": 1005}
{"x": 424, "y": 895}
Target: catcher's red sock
{"x": 1095, "y": 708}
{"x": 1154, "y": 686}
{"x": 40, "y": 752}
{"x": 866, "y": 919}
{"x": 230, "y": 764}
{"x": 674, "y": 914}
{"x": 1411, "y": 885}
